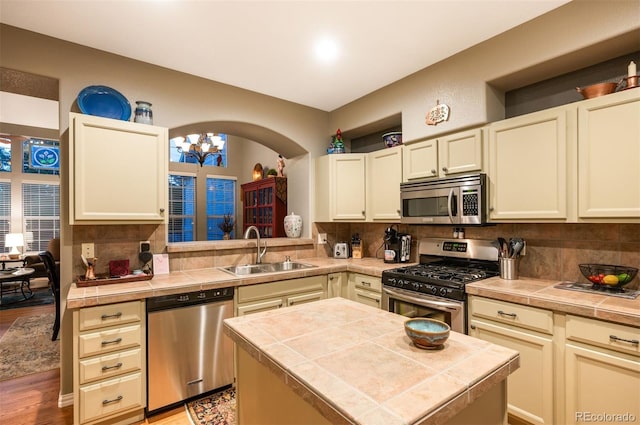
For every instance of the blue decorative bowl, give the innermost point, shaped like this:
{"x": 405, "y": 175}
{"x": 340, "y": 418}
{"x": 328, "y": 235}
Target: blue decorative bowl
{"x": 392, "y": 139}
{"x": 427, "y": 333}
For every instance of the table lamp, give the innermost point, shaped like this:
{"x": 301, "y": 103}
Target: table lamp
{"x": 13, "y": 241}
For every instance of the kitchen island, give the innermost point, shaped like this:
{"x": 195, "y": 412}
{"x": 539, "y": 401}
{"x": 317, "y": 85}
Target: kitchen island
{"x": 336, "y": 361}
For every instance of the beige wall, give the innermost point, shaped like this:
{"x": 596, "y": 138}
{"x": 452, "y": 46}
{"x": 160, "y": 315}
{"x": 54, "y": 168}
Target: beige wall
{"x": 532, "y": 52}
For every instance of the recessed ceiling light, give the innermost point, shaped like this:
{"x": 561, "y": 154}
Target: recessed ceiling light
{"x": 326, "y": 49}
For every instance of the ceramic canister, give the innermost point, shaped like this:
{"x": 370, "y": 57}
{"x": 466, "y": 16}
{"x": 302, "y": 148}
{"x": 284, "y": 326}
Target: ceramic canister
{"x": 293, "y": 225}
{"x": 143, "y": 115}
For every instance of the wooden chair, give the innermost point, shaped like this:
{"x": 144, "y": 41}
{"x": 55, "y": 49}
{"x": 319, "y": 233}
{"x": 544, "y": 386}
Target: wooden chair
{"x": 54, "y": 278}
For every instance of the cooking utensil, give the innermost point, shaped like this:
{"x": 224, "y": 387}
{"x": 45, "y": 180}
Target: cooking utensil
{"x": 596, "y": 90}
{"x": 504, "y": 247}
{"x": 515, "y": 247}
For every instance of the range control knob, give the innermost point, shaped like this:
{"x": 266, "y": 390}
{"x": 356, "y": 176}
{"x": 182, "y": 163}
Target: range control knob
{"x": 443, "y": 291}
{"x": 434, "y": 290}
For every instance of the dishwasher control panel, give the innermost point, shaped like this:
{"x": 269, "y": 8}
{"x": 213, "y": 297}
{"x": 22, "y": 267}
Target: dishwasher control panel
{"x": 189, "y": 298}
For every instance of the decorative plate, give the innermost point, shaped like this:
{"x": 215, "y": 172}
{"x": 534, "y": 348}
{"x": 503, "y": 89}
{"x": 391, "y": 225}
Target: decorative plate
{"x": 105, "y": 102}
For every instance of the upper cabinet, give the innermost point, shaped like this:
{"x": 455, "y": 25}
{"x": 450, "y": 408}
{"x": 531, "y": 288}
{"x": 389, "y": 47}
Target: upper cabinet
{"x": 340, "y": 187}
{"x": 609, "y": 156}
{"x": 117, "y": 172}
{"x": 574, "y": 163}
{"x": 529, "y": 162}
{"x": 452, "y": 154}
{"x": 384, "y": 175}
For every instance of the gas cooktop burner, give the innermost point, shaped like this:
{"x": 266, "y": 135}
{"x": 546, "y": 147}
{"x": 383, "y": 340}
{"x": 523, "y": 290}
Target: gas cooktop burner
{"x": 631, "y": 294}
{"x": 447, "y": 272}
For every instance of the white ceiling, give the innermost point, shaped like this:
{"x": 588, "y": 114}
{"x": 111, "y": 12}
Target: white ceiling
{"x": 267, "y": 46}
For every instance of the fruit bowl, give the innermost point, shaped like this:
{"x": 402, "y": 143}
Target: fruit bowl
{"x": 608, "y": 275}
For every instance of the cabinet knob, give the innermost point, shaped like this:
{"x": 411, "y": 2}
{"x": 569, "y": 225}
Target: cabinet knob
{"x": 472, "y": 326}
{"x": 162, "y": 210}
{"x": 433, "y": 171}
{"x": 398, "y": 211}
{"x": 363, "y": 213}
{"x": 445, "y": 169}
{"x": 490, "y": 208}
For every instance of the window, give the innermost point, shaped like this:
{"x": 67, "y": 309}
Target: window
{"x": 41, "y": 214}
{"x": 5, "y": 211}
{"x": 221, "y": 201}
{"x": 218, "y": 159}
{"x": 40, "y": 156}
{"x": 5, "y": 154}
{"x": 182, "y": 208}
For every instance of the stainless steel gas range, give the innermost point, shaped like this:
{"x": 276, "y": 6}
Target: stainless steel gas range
{"x": 436, "y": 287}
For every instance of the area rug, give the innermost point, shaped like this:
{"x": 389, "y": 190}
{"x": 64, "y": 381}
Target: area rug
{"x": 27, "y": 348}
{"x": 215, "y": 409}
{"x": 41, "y": 296}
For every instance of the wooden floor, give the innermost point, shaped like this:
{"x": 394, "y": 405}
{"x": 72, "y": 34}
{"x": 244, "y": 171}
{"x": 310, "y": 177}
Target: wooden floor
{"x": 33, "y": 399}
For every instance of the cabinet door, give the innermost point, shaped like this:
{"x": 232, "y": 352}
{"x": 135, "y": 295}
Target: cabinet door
{"x": 420, "y": 160}
{"x": 384, "y": 175}
{"x": 460, "y": 153}
{"x": 348, "y": 187}
{"x": 601, "y": 382}
{"x": 528, "y": 166}
{"x": 609, "y": 156}
{"x": 530, "y": 388}
{"x": 118, "y": 171}
{"x": 337, "y": 285}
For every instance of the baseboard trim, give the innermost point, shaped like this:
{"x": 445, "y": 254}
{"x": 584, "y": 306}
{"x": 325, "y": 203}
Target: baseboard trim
{"x": 65, "y": 400}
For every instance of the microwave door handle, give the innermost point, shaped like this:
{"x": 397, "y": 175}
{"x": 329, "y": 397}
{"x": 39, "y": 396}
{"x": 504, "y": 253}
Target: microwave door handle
{"x": 449, "y": 209}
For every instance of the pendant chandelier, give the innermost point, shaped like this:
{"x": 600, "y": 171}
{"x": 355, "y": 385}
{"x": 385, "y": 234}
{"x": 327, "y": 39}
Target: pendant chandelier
{"x": 200, "y": 146}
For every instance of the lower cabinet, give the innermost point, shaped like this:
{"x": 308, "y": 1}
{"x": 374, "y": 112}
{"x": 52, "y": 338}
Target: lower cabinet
{"x": 365, "y": 289}
{"x": 109, "y": 346}
{"x": 529, "y": 331}
{"x": 337, "y": 285}
{"x": 573, "y": 370}
{"x": 284, "y": 293}
{"x": 602, "y": 372}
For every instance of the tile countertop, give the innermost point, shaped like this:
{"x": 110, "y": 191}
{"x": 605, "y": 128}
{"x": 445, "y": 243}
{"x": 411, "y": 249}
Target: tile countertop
{"x": 355, "y": 364}
{"x": 212, "y": 278}
{"x": 543, "y": 294}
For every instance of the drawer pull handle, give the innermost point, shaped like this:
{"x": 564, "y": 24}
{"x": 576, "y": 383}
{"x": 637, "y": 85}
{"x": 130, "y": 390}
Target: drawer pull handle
{"x": 502, "y": 313}
{"x": 113, "y": 341}
{"x": 195, "y": 381}
{"x": 111, "y": 316}
{"x": 630, "y": 341}
{"x": 115, "y": 366}
{"x": 113, "y": 400}
{"x": 365, "y": 283}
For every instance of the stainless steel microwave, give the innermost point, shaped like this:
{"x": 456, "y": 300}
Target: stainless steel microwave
{"x": 452, "y": 200}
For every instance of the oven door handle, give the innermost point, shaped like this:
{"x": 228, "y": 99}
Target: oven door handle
{"x": 425, "y": 301}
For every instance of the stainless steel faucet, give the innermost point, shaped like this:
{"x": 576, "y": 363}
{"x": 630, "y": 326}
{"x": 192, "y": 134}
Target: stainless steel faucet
{"x": 259, "y": 254}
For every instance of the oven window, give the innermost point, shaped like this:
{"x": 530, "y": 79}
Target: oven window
{"x": 412, "y": 310}
{"x": 425, "y": 207}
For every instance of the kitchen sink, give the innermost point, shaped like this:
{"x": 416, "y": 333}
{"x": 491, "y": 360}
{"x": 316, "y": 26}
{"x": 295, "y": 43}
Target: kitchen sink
{"x": 251, "y": 269}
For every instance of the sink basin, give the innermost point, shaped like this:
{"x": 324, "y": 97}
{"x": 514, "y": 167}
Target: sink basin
{"x": 250, "y": 269}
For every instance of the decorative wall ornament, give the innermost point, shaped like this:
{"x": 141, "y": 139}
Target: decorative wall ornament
{"x": 437, "y": 114}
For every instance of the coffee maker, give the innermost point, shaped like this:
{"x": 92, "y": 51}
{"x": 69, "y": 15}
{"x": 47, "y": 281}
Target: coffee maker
{"x": 397, "y": 246}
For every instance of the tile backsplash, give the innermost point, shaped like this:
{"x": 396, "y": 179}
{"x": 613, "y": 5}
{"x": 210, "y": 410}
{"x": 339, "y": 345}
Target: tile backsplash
{"x": 553, "y": 250}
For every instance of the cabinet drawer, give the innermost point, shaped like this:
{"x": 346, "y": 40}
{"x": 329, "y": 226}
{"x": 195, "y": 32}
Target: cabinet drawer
{"x": 110, "y": 365}
{"x": 519, "y": 315}
{"x": 604, "y": 334}
{"x": 112, "y": 314}
{"x": 367, "y": 297}
{"x": 110, "y": 397}
{"x": 367, "y": 282}
{"x": 109, "y": 340}
{"x": 305, "y": 298}
{"x": 282, "y": 288}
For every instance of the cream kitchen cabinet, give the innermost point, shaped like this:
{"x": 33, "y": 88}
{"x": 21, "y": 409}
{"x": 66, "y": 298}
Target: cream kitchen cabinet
{"x": 365, "y": 289}
{"x": 340, "y": 187}
{"x": 452, "y": 154}
{"x": 109, "y": 363}
{"x": 384, "y": 175}
{"x": 337, "y": 285}
{"x": 118, "y": 172}
{"x": 609, "y": 157}
{"x": 532, "y": 165}
{"x": 284, "y": 293}
{"x": 602, "y": 371}
{"x": 529, "y": 331}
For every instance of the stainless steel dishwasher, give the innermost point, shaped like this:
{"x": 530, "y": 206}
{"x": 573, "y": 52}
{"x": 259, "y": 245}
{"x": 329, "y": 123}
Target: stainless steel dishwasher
{"x": 188, "y": 353}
